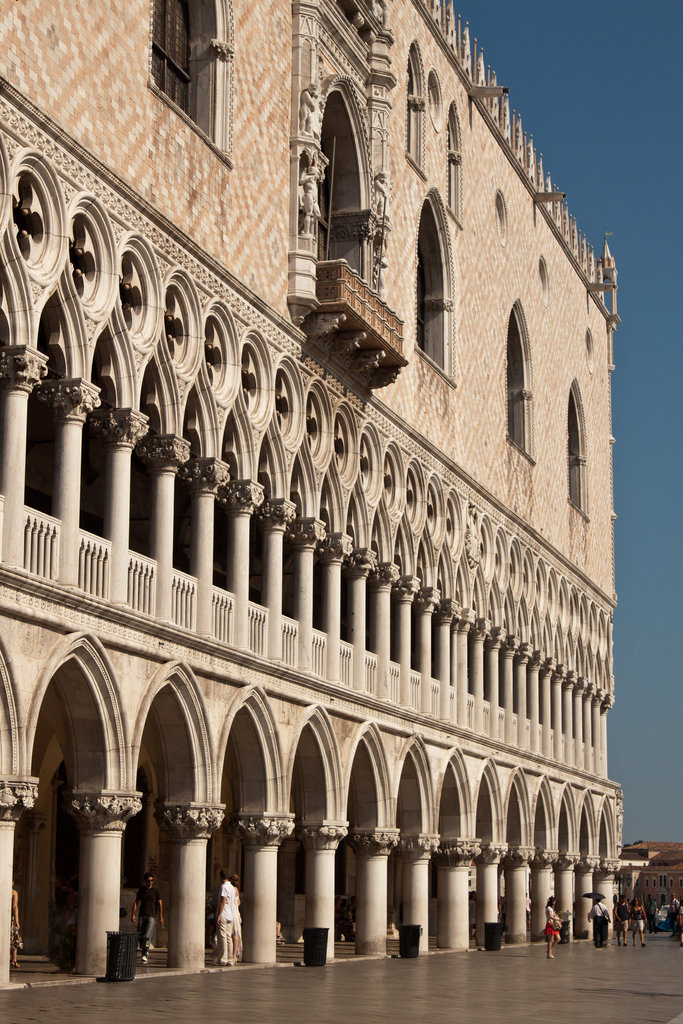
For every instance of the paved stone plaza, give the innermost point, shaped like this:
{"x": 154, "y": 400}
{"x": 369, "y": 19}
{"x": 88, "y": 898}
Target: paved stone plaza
{"x": 614, "y": 986}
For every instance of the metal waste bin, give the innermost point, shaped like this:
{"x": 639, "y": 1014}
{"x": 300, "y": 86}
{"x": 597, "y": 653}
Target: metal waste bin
{"x": 315, "y": 947}
{"x": 493, "y": 935}
{"x": 121, "y": 951}
{"x": 564, "y": 933}
{"x": 409, "y": 940}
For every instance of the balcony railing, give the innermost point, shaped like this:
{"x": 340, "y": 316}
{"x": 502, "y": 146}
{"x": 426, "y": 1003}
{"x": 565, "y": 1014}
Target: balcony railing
{"x": 345, "y": 662}
{"x": 222, "y": 605}
{"x": 415, "y": 681}
{"x": 257, "y": 617}
{"x": 183, "y": 599}
{"x": 319, "y": 654}
{"x": 290, "y": 636}
{"x": 370, "y": 672}
{"x": 394, "y": 682}
{"x": 41, "y": 544}
{"x": 141, "y": 584}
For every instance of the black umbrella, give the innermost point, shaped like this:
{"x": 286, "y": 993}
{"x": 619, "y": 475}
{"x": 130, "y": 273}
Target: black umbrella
{"x": 594, "y": 896}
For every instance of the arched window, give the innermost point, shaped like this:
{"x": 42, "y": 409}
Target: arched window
{"x": 576, "y": 449}
{"x": 341, "y": 190}
{"x": 518, "y": 383}
{"x": 192, "y": 62}
{"x": 433, "y": 305}
{"x": 454, "y": 164}
{"x": 416, "y": 106}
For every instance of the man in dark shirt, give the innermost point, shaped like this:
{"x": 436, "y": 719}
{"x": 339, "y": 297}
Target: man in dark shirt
{"x": 148, "y": 901}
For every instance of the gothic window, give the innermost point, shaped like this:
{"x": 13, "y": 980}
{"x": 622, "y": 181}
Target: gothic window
{"x": 576, "y": 449}
{"x": 454, "y": 164}
{"x": 518, "y": 384}
{"x": 433, "y": 300}
{"x": 416, "y": 106}
{"x": 171, "y": 50}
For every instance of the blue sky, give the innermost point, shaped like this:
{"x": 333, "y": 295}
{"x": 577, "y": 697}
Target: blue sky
{"x": 599, "y": 88}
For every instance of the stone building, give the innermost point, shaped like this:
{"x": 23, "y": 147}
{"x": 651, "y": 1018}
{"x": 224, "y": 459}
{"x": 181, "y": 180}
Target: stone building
{"x": 306, "y": 562}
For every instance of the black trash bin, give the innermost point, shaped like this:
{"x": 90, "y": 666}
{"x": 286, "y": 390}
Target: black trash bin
{"x": 493, "y": 935}
{"x": 121, "y": 951}
{"x": 564, "y": 933}
{"x": 409, "y": 940}
{"x": 315, "y": 947}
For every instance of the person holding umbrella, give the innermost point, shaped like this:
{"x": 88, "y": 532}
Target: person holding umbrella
{"x": 599, "y": 915}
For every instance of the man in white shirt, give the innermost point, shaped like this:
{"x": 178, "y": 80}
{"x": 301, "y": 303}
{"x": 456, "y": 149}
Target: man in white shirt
{"x": 225, "y": 924}
{"x": 599, "y": 915}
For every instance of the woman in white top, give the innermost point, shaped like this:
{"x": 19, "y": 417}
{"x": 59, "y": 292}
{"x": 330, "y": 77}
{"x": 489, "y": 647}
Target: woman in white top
{"x": 552, "y": 926}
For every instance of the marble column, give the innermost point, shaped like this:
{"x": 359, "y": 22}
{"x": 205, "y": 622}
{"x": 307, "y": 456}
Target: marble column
{"x": 21, "y": 369}
{"x": 372, "y": 849}
{"x": 508, "y": 654}
{"x": 541, "y": 866}
{"x": 16, "y": 795}
{"x": 119, "y": 430}
{"x": 275, "y": 515}
{"x": 404, "y": 594}
{"x": 487, "y": 862}
{"x": 596, "y": 732}
{"x": 163, "y": 455}
{"x": 583, "y": 882}
{"x": 333, "y": 550}
{"x": 493, "y": 645}
{"x": 240, "y": 498}
{"x": 101, "y": 819}
{"x": 578, "y": 718}
{"x": 567, "y": 714}
{"x": 463, "y": 626}
{"x": 203, "y": 478}
{"x": 416, "y": 853}
{"x": 444, "y": 618}
{"x": 427, "y": 601}
{"x": 261, "y": 837}
{"x": 305, "y": 534}
{"x": 521, "y": 663}
{"x": 515, "y": 864}
{"x": 188, "y": 828}
{"x": 535, "y": 661}
{"x": 587, "y": 703}
{"x": 603, "y": 879}
{"x": 546, "y": 676}
{"x": 454, "y": 860}
{"x": 558, "y": 676}
{"x": 607, "y": 703}
{"x": 564, "y": 885}
{"x": 380, "y": 583}
{"x": 32, "y": 825}
{"x": 71, "y": 401}
{"x": 478, "y": 635}
{"x": 320, "y": 843}
{"x": 360, "y": 563}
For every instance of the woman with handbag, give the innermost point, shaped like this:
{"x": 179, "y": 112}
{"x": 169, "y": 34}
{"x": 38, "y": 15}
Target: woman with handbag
{"x": 552, "y": 927}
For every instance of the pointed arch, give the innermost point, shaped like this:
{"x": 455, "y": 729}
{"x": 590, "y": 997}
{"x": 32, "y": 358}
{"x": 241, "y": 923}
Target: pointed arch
{"x": 489, "y": 818}
{"x": 434, "y": 285}
{"x": 369, "y": 803}
{"x": 12, "y": 752}
{"x": 455, "y": 184}
{"x": 327, "y": 766}
{"x": 382, "y": 534}
{"x": 519, "y": 382}
{"x": 416, "y": 101}
{"x": 518, "y": 830}
{"x": 414, "y": 796}
{"x": 576, "y": 449}
{"x": 258, "y": 767}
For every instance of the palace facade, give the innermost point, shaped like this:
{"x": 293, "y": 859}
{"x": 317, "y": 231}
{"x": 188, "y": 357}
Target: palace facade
{"x": 306, "y": 557}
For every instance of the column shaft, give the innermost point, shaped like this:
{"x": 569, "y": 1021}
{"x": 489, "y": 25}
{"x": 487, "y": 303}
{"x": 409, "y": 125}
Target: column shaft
{"x": 452, "y": 910}
{"x": 238, "y": 575}
{"x": 534, "y": 717}
{"x": 583, "y": 880}
{"x": 541, "y": 889}
{"x": 546, "y": 712}
{"x": 557, "y": 718}
{"x": 508, "y": 692}
{"x": 13, "y": 425}
{"x": 260, "y": 898}
{"x": 515, "y": 903}
{"x": 186, "y": 912}
{"x": 567, "y": 722}
{"x": 99, "y": 879}
{"x": 587, "y": 732}
{"x": 487, "y": 897}
{"x": 416, "y": 896}
{"x": 6, "y": 861}
{"x": 371, "y": 903}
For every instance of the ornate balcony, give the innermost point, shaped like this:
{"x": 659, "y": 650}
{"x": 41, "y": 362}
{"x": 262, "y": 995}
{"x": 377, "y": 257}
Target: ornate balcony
{"x": 355, "y": 325}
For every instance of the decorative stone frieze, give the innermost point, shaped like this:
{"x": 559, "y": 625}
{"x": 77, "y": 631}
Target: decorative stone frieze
{"x": 102, "y": 812}
{"x": 183, "y": 822}
{"x": 374, "y": 842}
{"x": 322, "y": 837}
{"x": 21, "y": 368}
{"x": 262, "y": 830}
{"x": 121, "y": 427}
{"x": 16, "y": 796}
{"x": 71, "y": 400}
{"x": 163, "y": 451}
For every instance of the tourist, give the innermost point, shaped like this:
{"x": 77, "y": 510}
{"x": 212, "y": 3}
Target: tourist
{"x": 148, "y": 901}
{"x": 15, "y": 943}
{"x": 225, "y": 926}
{"x": 621, "y": 916}
{"x": 680, "y": 922}
{"x": 637, "y": 921}
{"x": 599, "y": 915}
{"x": 651, "y": 914}
{"x": 237, "y": 930}
{"x": 552, "y": 927}
{"x": 473, "y": 914}
{"x": 674, "y": 906}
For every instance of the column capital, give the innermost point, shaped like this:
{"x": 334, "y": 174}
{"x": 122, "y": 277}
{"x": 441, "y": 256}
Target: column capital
{"x": 406, "y": 588}
{"x": 361, "y": 562}
{"x": 457, "y": 853}
{"x": 263, "y": 830}
{"x": 427, "y": 600}
{"x": 536, "y": 660}
{"x": 588, "y": 863}
{"x": 491, "y": 853}
{"x": 511, "y": 645}
{"x": 120, "y": 427}
{"x": 16, "y": 796}
{"x": 524, "y": 653}
{"x": 163, "y": 451}
{"x": 496, "y": 638}
{"x": 579, "y": 686}
{"x": 183, "y": 822}
{"x": 102, "y": 811}
{"x": 204, "y": 476}
{"x": 384, "y": 576}
{"x": 306, "y": 532}
{"x": 570, "y": 678}
{"x": 276, "y": 513}
{"x": 72, "y": 400}
{"x": 543, "y": 858}
{"x": 608, "y": 866}
{"x": 518, "y": 856}
{"x": 335, "y": 547}
{"x": 326, "y": 836}
{"x": 21, "y": 368}
{"x": 240, "y": 496}
{"x": 465, "y": 620}
{"x": 566, "y": 861}
{"x": 550, "y": 666}
{"x": 481, "y": 629}
{"x": 374, "y": 842}
{"x": 447, "y": 611}
{"x": 608, "y": 702}
{"x": 418, "y": 847}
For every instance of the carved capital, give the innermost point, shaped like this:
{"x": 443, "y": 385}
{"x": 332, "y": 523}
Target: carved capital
{"x": 543, "y": 858}
{"x": 466, "y": 620}
{"x": 183, "y": 822}
{"x": 523, "y": 653}
{"x": 21, "y": 368}
{"x": 71, "y": 400}
{"x": 374, "y": 843}
{"x": 335, "y": 547}
{"x": 406, "y": 588}
{"x": 607, "y": 702}
{"x": 511, "y": 645}
{"x": 16, "y": 796}
{"x": 571, "y": 678}
{"x": 163, "y": 451}
{"x": 518, "y": 856}
{"x": 579, "y": 686}
{"x": 447, "y": 611}
{"x": 263, "y": 830}
{"x": 418, "y": 847}
{"x": 427, "y": 600}
{"x": 496, "y": 638}
{"x": 361, "y": 562}
{"x": 102, "y": 812}
{"x": 204, "y": 476}
{"x": 276, "y": 514}
{"x": 241, "y": 496}
{"x": 588, "y": 863}
{"x": 550, "y": 665}
{"x": 457, "y": 853}
{"x": 608, "y": 867}
{"x": 306, "y": 533}
{"x": 480, "y": 629}
{"x": 566, "y": 861}
{"x": 322, "y": 837}
{"x": 536, "y": 660}
{"x": 385, "y": 576}
{"x": 121, "y": 427}
{"x": 222, "y": 49}
{"x": 491, "y": 853}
